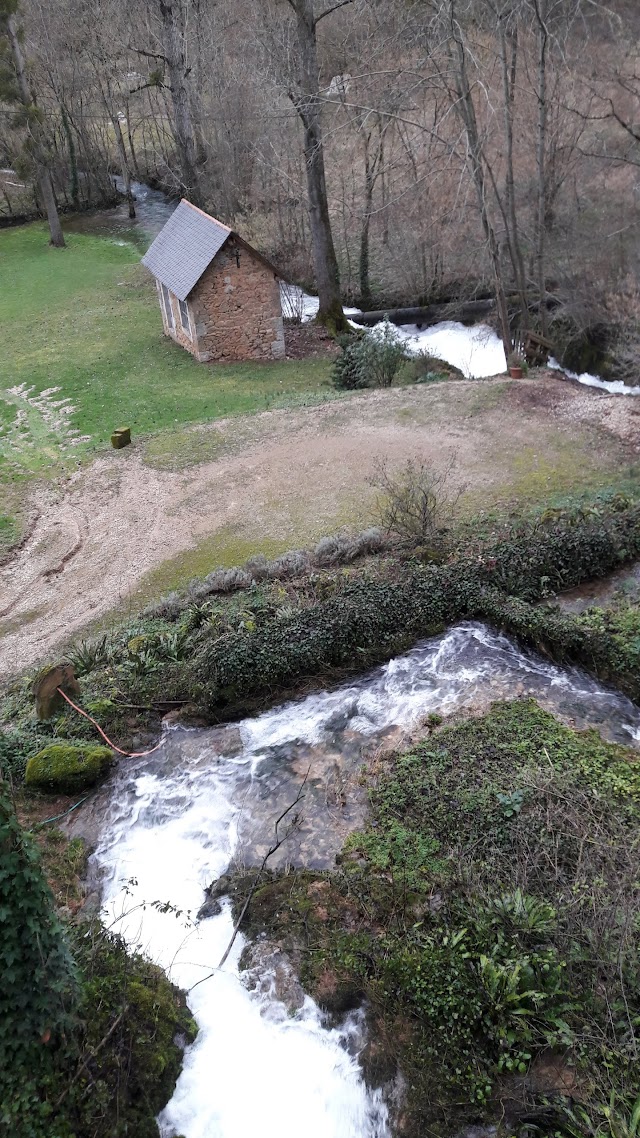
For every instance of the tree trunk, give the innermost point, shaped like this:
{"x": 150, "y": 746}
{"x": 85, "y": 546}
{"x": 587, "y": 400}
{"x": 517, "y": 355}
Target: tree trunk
{"x": 38, "y": 149}
{"x": 48, "y": 197}
{"x": 513, "y": 236}
{"x": 365, "y": 283}
{"x": 307, "y": 104}
{"x": 183, "y": 131}
{"x": 132, "y": 150}
{"x": 466, "y": 111}
{"x": 124, "y": 162}
{"x": 73, "y": 161}
{"x": 541, "y": 219}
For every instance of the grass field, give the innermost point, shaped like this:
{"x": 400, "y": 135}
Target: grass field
{"x": 85, "y": 321}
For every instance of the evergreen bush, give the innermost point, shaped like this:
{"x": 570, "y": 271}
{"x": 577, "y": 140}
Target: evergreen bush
{"x": 382, "y": 353}
{"x": 370, "y": 360}
{"x": 39, "y": 991}
{"x": 346, "y": 372}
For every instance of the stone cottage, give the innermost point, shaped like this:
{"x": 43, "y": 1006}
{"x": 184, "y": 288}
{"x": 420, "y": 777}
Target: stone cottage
{"x": 219, "y": 298}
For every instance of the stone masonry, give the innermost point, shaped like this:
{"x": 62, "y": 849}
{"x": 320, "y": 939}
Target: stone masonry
{"x": 234, "y": 311}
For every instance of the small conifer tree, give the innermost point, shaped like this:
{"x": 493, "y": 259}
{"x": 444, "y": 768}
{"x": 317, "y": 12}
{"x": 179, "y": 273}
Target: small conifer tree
{"x": 39, "y": 989}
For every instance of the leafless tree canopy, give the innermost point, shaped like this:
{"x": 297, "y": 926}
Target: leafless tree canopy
{"x": 397, "y": 149}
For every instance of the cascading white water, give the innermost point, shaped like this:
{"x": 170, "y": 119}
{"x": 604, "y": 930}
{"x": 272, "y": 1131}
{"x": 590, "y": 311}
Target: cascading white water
{"x": 176, "y": 819}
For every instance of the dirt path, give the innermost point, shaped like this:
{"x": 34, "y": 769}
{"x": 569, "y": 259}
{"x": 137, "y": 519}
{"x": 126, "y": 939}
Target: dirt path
{"x": 288, "y": 477}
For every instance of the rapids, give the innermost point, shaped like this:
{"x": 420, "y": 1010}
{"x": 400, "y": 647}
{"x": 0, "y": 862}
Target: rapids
{"x": 174, "y": 821}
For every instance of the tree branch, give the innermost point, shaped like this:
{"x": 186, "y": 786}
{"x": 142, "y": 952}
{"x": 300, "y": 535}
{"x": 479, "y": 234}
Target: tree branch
{"x": 92, "y": 1054}
{"x": 328, "y": 11}
{"x": 625, "y": 125}
{"x": 278, "y": 841}
{"x": 148, "y": 54}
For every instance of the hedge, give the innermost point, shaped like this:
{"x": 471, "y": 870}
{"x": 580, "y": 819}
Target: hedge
{"x": 369, "y": 620}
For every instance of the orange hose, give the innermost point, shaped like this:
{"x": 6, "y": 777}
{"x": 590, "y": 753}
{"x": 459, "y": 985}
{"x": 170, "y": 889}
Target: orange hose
{"x": 127, "y": 754}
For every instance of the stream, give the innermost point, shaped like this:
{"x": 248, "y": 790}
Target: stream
{"x": 153, "y": 210}
{"x": 172, "y": 823}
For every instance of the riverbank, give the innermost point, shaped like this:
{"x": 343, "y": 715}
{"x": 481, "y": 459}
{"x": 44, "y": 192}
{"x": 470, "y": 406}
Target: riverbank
{"x": 92, "y": 1032}
{"x": 222, "y": 656}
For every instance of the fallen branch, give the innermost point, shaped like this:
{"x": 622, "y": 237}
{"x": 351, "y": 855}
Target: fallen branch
{"x": 278, "y": 841}
{"x": 92, "y": 1055}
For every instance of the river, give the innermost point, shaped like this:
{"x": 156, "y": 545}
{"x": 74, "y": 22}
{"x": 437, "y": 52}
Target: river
{"x": 153, "y": 210}
{"x": 173, "y": 822}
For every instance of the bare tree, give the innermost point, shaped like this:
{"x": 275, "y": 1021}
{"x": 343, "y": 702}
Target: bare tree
{"x": 456, "y": 78}
{"x": 417, "y": 504}
{"x": 32, "y": 120}
{"x": 173, "y": 58}
{"x": 306, "y": 99}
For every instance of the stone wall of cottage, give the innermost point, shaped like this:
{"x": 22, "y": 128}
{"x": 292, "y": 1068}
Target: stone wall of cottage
{"x": 236, "y": 309}
{"x": 177, "y": 333}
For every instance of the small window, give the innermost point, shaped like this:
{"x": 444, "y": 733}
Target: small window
{"x": 184, "y": 317}
{"x": 166, "y": 301}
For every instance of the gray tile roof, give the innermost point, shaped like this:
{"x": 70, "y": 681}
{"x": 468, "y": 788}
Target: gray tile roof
{"x": 184, "y": 248}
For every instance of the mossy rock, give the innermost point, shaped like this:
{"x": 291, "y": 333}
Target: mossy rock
{"x": 66, "y": 768}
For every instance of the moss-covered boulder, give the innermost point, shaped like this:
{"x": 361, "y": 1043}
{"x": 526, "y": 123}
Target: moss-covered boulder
{"x": 66, "y": 768}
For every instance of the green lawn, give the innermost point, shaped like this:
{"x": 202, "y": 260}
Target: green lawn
{"x": 86, "y": 320}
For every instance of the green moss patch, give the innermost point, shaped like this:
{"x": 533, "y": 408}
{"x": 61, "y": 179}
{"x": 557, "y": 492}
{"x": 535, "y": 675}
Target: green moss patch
{"x": 66, "y": 768}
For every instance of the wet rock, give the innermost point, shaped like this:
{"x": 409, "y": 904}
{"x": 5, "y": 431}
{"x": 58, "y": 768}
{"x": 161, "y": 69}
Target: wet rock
{"x": 270, "y": 972}
{"x": 548, "y": 1075}
{"x": 67, "y": 768}
{"x": 224, "y": 886}
{"x": 379, "y": 1066}
{"x": 478, "y": 1132}
{"x": 337, "y": 995}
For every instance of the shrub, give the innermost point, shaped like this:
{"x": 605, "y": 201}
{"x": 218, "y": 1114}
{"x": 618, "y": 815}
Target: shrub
{"x": 66, "y": 768}
{"x": 382, "y": 353}
{"x": 167, "y": 608}
{"x": 368, "y": 620}
{"x": 291, "y": 564}
{"x": 330, "y": 550}
{"x": 118, "y": 1063}
{"x": 127, "y": 1082}
{"x": 16, "y": 745}
{"x": 424, "y": 368}
{"x": 371, "y": 360}
{"x": 38, "y": 990}
{"x": 89, "y": 655}
{"x": 340, "y": 548}
{"x": 347, "y": 373}
{"x": 257, "y": 567}
{"x": 416, "y": 505}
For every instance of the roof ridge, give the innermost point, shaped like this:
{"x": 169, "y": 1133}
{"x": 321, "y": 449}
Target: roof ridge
{"x": 209, "y": 216}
